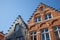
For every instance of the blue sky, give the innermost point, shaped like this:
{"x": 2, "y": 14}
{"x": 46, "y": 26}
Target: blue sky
{"x": 10, "y": 9}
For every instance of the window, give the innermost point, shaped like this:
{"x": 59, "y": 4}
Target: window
{"x": 16, "y": 27}
{"x": 47, "y": 16}
{"x": 45, "y": 34}
{"x": 37, "y": 19}
{"x": 33, "y": 35}
{"x": 41, "y": 8}
{"x": 57, "y": 32}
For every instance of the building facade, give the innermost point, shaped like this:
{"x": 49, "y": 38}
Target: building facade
{"x": 1, "y": 36}
{"x": 44, "y": 24}
{"x": 17, "y": 30}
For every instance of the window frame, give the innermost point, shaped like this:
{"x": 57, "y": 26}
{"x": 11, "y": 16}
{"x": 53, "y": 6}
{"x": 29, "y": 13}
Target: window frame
{"x": 57, "y": 30}
{"x": 45, "y": 34}
{"x": 37, "y": 19}
{"x": 48, "y": 16}
{"x": 33, "y": 34}
{"x": 16, "y": 27}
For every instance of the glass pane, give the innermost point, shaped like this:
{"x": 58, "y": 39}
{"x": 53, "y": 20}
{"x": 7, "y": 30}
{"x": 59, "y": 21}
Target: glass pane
{"x": 31, "y": 37}
{"x": 56, "y": 35}
{"x": 35, "y": 37}
{"x": 59, "y": 34}
{"x": 34, "y": 32}
{"x": 17, "y": 27}
{"x": 42, "y": 31}
{"x": 49, "y": 15}
{"x": 47, "y": 36}
{"x": 58, "y": 27}
{"x": 35, "y": 19}
{"x": 46, "y": 17}
{"x": 42, "y": 37}
{"x": 46, "y": 30}
{"x": 31, "y": 33}
{"x": 39, "y": 18}
{"x": 54, "y": 28}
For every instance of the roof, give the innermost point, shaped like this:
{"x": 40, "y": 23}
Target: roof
{"x": 19, "y": 17}
{"x": 22, "y": 20}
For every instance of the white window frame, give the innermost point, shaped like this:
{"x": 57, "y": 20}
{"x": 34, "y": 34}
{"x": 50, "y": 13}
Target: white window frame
{"x": 45, "y": 34}
{"x": 33, "y": 36}
{"x": 57, "y": 31}
{"x": 37, "y": 19}
{"x": 48, "y": 16}
{"x": 40, "y": 19}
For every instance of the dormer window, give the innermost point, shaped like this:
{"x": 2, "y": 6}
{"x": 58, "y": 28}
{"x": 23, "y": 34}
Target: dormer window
{"x": 37, "y": 19}
{"x": 47, "y": 16}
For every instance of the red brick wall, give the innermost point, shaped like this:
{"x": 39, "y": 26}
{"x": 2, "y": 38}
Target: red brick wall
{"x": 44, "y": 23}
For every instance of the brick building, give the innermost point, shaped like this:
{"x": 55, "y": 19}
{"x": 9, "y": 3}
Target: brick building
{"x": 1, "y": 36}
{"x": 44, "y": 24}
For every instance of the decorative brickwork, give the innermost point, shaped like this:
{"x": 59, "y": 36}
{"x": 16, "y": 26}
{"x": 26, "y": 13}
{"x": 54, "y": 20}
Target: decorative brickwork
{"x": 48, "y": 21}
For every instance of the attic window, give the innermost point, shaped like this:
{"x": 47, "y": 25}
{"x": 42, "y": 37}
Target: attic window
{"x": 41, "y": 8}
